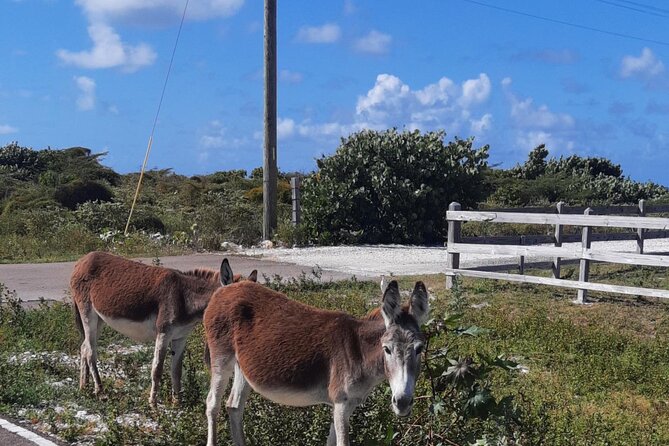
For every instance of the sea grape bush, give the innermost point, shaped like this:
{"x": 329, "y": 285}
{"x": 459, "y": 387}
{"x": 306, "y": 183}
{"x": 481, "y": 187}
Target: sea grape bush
{"x": 390, "y": 186}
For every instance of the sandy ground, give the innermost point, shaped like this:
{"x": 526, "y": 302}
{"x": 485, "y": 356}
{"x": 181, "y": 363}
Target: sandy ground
{"x": 50, "y": 280}
{"x": 373, "y": 261}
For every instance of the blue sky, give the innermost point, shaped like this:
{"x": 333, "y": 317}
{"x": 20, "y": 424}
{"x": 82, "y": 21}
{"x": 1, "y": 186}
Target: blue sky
{"x": 512, "y": 73}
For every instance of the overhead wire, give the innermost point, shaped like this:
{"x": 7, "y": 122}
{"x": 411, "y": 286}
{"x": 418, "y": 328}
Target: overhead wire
{"x": 563, "y": 22}
{"x": 643, "y": 5}
{"x": 155, "y": 121}
{"x": 632, "y": 8}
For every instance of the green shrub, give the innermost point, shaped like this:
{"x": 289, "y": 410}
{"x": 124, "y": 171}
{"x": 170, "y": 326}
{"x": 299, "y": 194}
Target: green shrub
{"x": 383, "y": 187}
{"x": 291, "y": 235}
{"x": 574, "y": 179}
{"x": 77, "y": 192}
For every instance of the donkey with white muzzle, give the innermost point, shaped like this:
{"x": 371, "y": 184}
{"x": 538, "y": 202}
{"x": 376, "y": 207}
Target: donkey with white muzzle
{"x": 298, "y": 355}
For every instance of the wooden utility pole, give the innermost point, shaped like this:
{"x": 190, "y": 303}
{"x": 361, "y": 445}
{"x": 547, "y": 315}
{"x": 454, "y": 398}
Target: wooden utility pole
{"x": 269, "y": 163}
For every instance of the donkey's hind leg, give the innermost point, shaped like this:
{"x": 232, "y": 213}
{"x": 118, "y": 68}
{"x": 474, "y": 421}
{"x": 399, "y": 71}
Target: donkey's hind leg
{"x": 89, "y": 348}
{"x": 160, "y": 350}
{"x": 178, "y": 347}
{"x": 221, "y": 371}
{"x": 235, "y": 406}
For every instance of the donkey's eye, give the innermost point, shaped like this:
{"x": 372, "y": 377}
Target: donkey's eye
{"x": 386, "y": 349}
{"x": 419, "y": 349}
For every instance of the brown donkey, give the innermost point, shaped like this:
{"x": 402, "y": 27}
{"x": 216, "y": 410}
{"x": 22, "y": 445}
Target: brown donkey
{"x": 298, "y": 355}
{"x": 144, "y": 303}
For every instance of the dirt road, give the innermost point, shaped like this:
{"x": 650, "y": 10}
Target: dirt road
{"x": 33, "y": 281}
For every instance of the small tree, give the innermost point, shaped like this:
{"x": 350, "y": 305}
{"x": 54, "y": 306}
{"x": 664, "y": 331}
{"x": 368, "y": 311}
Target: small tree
{"x": 382, "y": 187}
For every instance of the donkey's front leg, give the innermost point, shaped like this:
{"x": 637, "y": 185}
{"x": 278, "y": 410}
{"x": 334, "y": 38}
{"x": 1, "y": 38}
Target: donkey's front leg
{"x": 178, "y": 347}
{"x": 221, "y": 370}
{"x": 235, "y": 406}
{"x": 339, "y": 428}
{"x": 157, "y": 366}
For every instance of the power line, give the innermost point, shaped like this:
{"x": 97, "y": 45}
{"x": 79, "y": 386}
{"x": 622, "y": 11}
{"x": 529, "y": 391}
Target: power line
{"x": 155, "y": 121}
{"x": 573, "y": 25}
{"x": 632, "y": 8}
{"x": 642, "y": 5}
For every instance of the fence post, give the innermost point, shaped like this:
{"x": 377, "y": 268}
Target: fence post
{"x": 559, "y": 207}
{"x": 521, "y": 262}
{"x": 453, "y": 259}
{"x": 584, "y": 270}
{"x": 640, "y": 231}
{"x": 295, "y": 183}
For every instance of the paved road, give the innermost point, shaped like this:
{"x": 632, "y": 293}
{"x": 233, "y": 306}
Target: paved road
{"x": 50, "y": 280}
{"x": 13, "y": 433}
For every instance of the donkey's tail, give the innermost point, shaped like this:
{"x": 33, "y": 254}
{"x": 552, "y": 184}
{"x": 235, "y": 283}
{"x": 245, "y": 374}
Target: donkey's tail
{"x": 207, "y": 357}
{"x": 77, "y": 319}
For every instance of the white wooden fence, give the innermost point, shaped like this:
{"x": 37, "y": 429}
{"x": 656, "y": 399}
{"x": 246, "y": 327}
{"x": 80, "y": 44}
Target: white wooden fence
{"x": 584, "y": 253}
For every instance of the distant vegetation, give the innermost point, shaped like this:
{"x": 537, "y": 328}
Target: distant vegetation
{"x": 378, "y": 187}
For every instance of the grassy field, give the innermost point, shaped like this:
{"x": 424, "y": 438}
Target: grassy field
{"x": 570, "y": 375}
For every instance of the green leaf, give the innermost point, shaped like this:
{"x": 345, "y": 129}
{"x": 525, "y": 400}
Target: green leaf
{"x": 474, "y": 331}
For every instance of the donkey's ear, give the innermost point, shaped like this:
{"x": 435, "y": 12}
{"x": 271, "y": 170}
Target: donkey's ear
{"x": 226, "y": 273}
{"x": 419, "y": 305}
{"x": 391, "y": 306}
{"x": 253, "y": 277}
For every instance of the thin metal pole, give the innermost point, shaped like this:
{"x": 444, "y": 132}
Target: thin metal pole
{"x": 269, "y": 162}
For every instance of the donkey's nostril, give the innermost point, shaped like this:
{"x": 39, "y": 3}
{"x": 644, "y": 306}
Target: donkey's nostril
{"x": 394, "y": 400}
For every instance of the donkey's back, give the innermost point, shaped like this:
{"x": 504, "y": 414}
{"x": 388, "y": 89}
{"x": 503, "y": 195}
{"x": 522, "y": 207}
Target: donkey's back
{"x": 118, "y": 287}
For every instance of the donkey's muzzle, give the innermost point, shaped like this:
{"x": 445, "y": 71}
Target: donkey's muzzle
{"x": 402, "y": 406}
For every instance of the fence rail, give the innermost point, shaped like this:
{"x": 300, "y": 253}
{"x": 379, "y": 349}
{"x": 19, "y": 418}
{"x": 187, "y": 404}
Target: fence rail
{"x": 630, "y": 209}
{"x": 645, "y": 228}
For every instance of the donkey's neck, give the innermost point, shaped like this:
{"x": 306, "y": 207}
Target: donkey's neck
{"x": 370, "y": 332}
{"x": 197, "y": 293}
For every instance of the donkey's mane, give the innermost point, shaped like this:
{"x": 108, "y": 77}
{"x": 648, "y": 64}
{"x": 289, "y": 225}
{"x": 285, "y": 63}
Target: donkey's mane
{"x": 375, "y": 314}
{"x": 201, "y": 273}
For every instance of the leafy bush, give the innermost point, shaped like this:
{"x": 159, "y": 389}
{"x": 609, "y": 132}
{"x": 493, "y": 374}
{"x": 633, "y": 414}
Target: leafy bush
{"x": 382, "y": 187}
{"x": 21, "y": 162}
{"x": 283, "y": 193}
{"x": 77, "y": 192}
{"x": 574, "y": 179}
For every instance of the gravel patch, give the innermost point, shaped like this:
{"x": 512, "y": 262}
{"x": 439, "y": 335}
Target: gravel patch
{"x": 372, "y": 261}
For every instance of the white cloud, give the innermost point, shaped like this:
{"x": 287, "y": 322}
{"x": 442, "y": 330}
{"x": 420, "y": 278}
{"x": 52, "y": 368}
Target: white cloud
{"x": 285, "y": 128}
{"x": 479, "y": 126}
{"x": 328, "y": 33}
{"x": 86, "y": 98}
{"x": 387, "y": 95}
{"x": 290, "y": 77}
{"x": 392, "y": 103}
{"x": 149, "y": 11}
{"x": 475, "y": 91}
{"x": 443, "y": 104}
{"x": 538, "y": 124}
{"x": 215, "y": 137}
{"x": 6, "y": 129}
{"x": 526, "y": 115}
{"x": 109, "y": 52}
{"x": 374, "y": 42}
{"x": 644, "y": 66}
